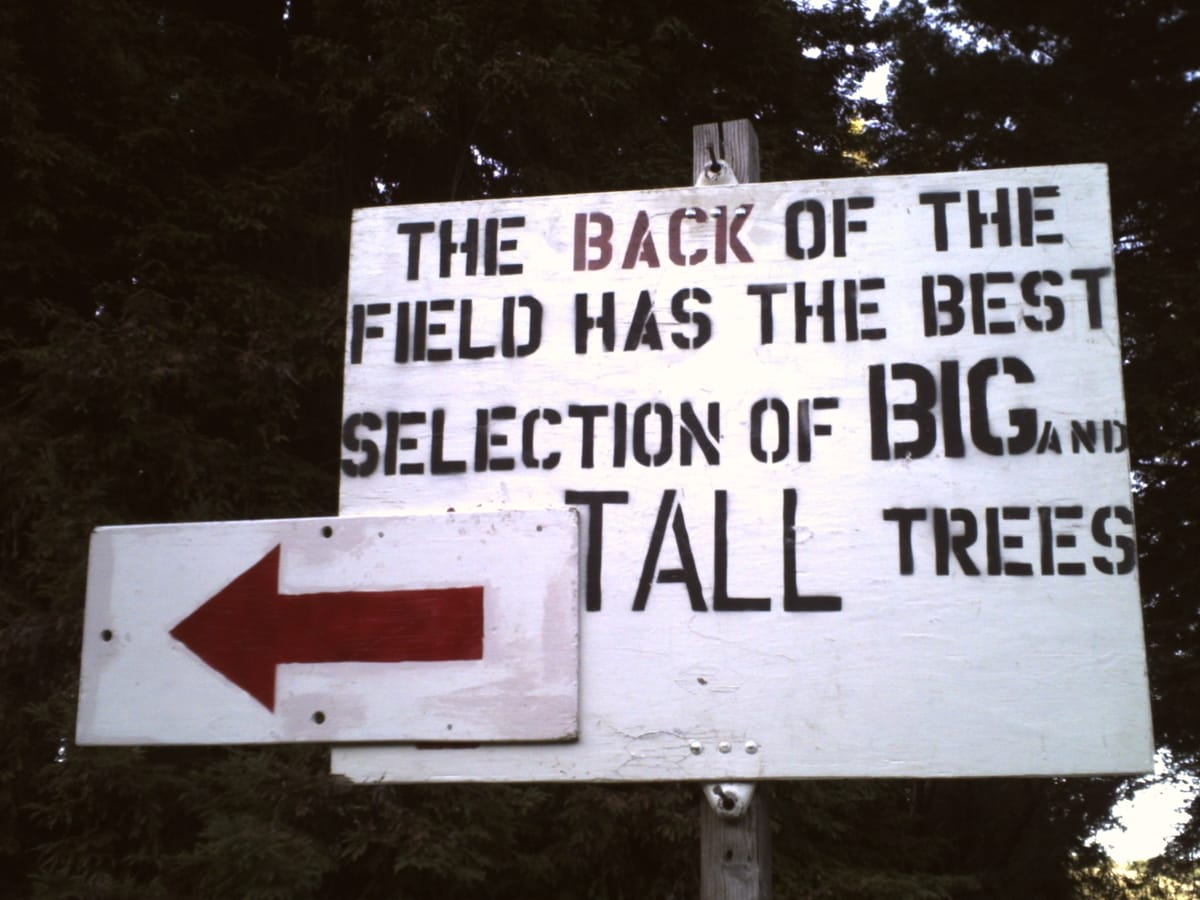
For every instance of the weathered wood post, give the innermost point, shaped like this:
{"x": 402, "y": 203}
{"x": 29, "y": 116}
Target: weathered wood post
{"x": 735, "y": 142}
{"x": 735, "y": 843}
{"x": 735, "y": 825}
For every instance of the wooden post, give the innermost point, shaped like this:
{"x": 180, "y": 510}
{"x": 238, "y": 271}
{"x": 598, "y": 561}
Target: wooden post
{"x": 735, "y": 850}
{"x": 735, "y": 142}
{"x": 735, "y": 853}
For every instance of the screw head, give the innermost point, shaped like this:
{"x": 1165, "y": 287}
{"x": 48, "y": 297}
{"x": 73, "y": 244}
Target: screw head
{"x": 751, "y": 747}
{"x": 724, "y": 746}
{"x": 696, "y": 747}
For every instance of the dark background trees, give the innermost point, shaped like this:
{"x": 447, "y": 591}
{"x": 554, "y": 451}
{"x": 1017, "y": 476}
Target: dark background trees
{"x": 176, "y": 180}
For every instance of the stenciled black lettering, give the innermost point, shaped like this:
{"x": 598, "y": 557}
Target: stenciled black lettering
{"x": 904, "y": 517}
{"x": 758, "y": 412}
{"x": 486, "y": 439}
{"x": 594, "y": 502}
{"x": 793, "y": 600}
{"x": 529, "y": 458}
{"x": 919, "y": 411}
{"x": 666, "y": 426}
{"x": 438, "y": 464}
{"x": 977, "y": 218}
{"x": 360, "y": 330}
{"x": 606, "y": 321}
{"x": 368, "y": 448}
{"x": 468, "y": 246}
{"x": 939, "y": 200}
{"x": 1023, "y": 419}
{"x": 722, "y": 600}
{"x": 701, "y": 321}
{"x": 394, "y": 443}
{"x": 686, "y": 573}
{"x": 1122, "y": 542}
{"x": 415, "y": 231}
{"x": 766, "y": 314}
{"x": 1030, "y": 282}
{"x": 509, "y": 348}
{"x": 816, "y": 212}
{"x": 1091, "y": 279}
{"x": 644, "y": 327}
{"x": 692, "y": 433}
{"x": 947, "y": 544}
{"x": 587, "y": 414}
{"x": 842, "y": 225}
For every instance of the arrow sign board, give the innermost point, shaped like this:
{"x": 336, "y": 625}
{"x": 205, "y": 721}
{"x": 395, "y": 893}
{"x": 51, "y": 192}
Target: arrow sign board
{"x": 851, "y": 457}
{"x": 450, "y": 628}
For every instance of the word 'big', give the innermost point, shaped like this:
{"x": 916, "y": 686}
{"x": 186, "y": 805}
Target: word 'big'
{"x": 920, "y": 410}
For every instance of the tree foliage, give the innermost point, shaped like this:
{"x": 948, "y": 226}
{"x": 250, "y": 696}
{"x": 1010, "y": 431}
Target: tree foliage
{"x": 176, "y": 183}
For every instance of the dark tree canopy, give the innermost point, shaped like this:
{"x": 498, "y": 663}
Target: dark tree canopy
{"x": 176, "y": 181}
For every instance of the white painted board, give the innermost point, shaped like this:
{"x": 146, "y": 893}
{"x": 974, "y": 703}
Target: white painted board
{"x": 447, "y": 628}
{"x": 851, "y": 458}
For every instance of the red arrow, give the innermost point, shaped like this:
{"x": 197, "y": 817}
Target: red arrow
{"x": 248, "y": 628}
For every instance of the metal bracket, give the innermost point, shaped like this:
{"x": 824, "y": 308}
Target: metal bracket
{"x": 724, "y": 153}
{"x": 718, "y": 172}
{"x": 729, "y": 800}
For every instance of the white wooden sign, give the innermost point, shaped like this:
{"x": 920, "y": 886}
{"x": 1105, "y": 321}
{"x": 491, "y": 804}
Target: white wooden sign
{"x": 445, "y": 628}
{"x": 851, "y": 457}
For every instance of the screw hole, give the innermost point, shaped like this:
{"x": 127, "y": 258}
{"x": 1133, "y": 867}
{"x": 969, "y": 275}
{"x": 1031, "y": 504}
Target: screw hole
{"x": 319, "y": 717}
{"x": 106, "y": 634}
{"x": 728, "y": 803}
{"x": 728, "y": 853}
{"x": 327, "y": 531}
